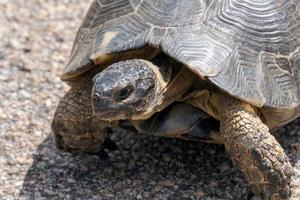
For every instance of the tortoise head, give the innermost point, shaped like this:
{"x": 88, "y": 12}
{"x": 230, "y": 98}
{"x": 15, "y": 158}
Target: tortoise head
{"x": 131, "y": 89}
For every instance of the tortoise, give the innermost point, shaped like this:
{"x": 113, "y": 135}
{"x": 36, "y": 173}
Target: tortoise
{"x": 237, "y": 61}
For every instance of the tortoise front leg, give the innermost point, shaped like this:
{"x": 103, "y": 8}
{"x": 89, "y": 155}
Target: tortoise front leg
{"x": 75, "y": 127}
{"x": 253, "y": 149}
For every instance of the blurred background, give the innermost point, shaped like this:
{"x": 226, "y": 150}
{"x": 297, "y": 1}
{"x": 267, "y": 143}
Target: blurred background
{"x": 36, "y": 38}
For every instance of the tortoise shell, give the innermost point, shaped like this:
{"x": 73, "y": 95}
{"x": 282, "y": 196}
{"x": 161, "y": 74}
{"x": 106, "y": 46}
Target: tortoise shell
{"x": 250, "y": 49}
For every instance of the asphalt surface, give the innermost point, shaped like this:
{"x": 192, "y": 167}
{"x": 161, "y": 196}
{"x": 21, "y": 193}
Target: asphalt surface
{"x": 36, "y": 37}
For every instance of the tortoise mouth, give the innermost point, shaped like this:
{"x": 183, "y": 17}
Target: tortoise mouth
{"x": 107, "y": 116}
{"x": 105, "y": 109}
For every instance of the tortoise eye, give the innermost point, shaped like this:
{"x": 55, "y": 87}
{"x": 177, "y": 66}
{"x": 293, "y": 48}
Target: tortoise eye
{"x": 123, "y": 93}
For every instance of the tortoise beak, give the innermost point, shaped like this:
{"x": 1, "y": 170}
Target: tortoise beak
{"x": 101, "y": 105}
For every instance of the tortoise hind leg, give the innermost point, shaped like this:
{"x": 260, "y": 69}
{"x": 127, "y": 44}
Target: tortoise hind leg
{"x": 254, "y": 150}
{"x": 75, "y": 127}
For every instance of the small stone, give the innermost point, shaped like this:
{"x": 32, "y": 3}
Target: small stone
{"x": 167, "y": 183}
{"x": 70, "y": 180}
{"x": 198, "y": 194}
{"x": 157, "y": 188}
{"x": 49, "y": 192}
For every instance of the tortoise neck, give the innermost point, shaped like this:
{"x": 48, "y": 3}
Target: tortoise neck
{"x": 180, "y": 84}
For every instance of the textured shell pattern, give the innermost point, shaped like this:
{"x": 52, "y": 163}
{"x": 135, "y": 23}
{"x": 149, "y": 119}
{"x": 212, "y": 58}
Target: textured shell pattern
{"x": 248, "y": 48}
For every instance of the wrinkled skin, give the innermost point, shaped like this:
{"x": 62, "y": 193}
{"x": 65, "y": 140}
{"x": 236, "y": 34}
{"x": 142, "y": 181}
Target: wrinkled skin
{"x": 74, "y": 125}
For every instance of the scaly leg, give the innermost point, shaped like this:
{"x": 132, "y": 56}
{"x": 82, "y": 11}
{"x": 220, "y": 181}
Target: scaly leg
{"x": 75, "y": 127}
{"x": 252, "y": 148}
